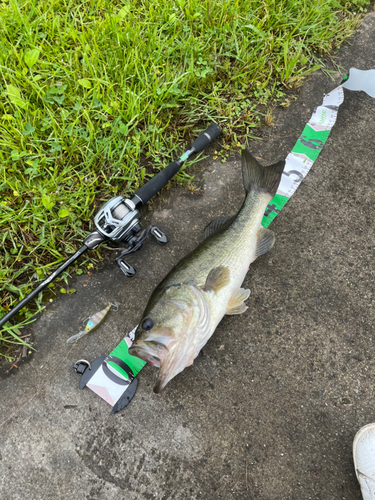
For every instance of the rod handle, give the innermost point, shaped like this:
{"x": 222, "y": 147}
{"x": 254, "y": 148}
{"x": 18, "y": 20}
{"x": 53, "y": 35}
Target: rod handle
{"x": 154, "y": 185}
{"x": 201, "y": 142}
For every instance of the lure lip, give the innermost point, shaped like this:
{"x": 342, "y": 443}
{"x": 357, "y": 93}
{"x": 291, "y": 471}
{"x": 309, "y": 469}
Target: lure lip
{"x": 76, "y": 337}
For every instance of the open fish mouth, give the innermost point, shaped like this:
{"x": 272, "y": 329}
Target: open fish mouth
{"x": 143, "y": 351}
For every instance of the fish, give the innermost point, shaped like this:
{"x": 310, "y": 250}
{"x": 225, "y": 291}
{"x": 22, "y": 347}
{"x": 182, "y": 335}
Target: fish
{"x": 189, "y": 303}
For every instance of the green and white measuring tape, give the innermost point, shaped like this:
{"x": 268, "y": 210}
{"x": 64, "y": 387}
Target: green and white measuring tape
{"x": 313, "y": 137}
{"x": 298, "y": 163}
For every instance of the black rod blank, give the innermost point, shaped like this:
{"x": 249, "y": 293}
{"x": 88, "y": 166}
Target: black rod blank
{"x": 42, "y": 286}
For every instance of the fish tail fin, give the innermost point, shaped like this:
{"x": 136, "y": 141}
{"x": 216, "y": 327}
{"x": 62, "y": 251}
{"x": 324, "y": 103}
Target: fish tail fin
{"x": 257, "y": 177}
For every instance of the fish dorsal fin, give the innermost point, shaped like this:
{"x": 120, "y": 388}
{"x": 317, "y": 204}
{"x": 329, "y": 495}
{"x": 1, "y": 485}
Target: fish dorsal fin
{"x": 217, "y": 225}
{"x": 236, "y": 302}
{"x": 217, "y": 278}
{"x": 265, "y": 241}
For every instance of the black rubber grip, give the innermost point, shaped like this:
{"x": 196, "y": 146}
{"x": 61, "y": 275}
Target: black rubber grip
{"x": 148, "y": 190}
{"x": 206, "y": 137}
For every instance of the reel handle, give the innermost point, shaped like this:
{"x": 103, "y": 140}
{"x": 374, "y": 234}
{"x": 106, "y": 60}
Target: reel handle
{"x": 148, "y": 190}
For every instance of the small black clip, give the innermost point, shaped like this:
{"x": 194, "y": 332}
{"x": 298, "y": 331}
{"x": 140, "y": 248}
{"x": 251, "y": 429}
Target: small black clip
{"x": 159, "y": 236}
{"x": 81, "y": 365}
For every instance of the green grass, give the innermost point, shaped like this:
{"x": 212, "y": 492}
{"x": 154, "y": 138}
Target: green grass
{"x": 95, "y": 96}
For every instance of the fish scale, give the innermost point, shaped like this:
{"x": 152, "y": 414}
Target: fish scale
{"x": 242, "y": 234}
{"x": 234, "y": 249}
{"x": 186, "y": 307}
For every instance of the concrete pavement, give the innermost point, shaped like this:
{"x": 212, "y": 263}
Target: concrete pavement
{"x": 271, "y": 408}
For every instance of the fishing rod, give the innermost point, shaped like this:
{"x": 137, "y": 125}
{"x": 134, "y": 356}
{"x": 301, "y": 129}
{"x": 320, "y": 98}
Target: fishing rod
{"x": 118, "y": 220}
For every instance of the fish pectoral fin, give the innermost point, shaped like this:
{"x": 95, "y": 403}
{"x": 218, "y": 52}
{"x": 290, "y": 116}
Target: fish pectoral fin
{"x": 236, "y": 302}
{"x": 217, "y": 225}
{"x": 217, "y": 278}
{"x": 265, "y": 241}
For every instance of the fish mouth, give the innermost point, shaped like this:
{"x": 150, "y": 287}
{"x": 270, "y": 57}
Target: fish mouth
{"x": 142, "y": 351}
{"x": 145, "y": 352}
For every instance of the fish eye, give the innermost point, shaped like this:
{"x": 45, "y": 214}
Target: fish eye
{"x": 147, "y": 324}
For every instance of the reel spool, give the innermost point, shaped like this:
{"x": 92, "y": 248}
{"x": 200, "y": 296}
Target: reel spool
{"x": 117, "y": 220}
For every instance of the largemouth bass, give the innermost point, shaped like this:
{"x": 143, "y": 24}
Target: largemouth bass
{"x": 186, "y": 307}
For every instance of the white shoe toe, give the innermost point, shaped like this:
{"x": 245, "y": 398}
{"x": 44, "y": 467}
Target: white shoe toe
{"x": 364, "y": 460}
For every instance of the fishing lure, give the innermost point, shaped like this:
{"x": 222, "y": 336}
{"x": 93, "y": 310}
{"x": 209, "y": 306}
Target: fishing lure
{"x": 93, "y": 322}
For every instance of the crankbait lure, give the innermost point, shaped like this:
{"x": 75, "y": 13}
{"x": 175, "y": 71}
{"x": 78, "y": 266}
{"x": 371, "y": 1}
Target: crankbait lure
{"x": 92, "y": 323}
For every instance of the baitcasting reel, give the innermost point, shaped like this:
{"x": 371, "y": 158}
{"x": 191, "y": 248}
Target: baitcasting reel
{"x": 118, "y": 222}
